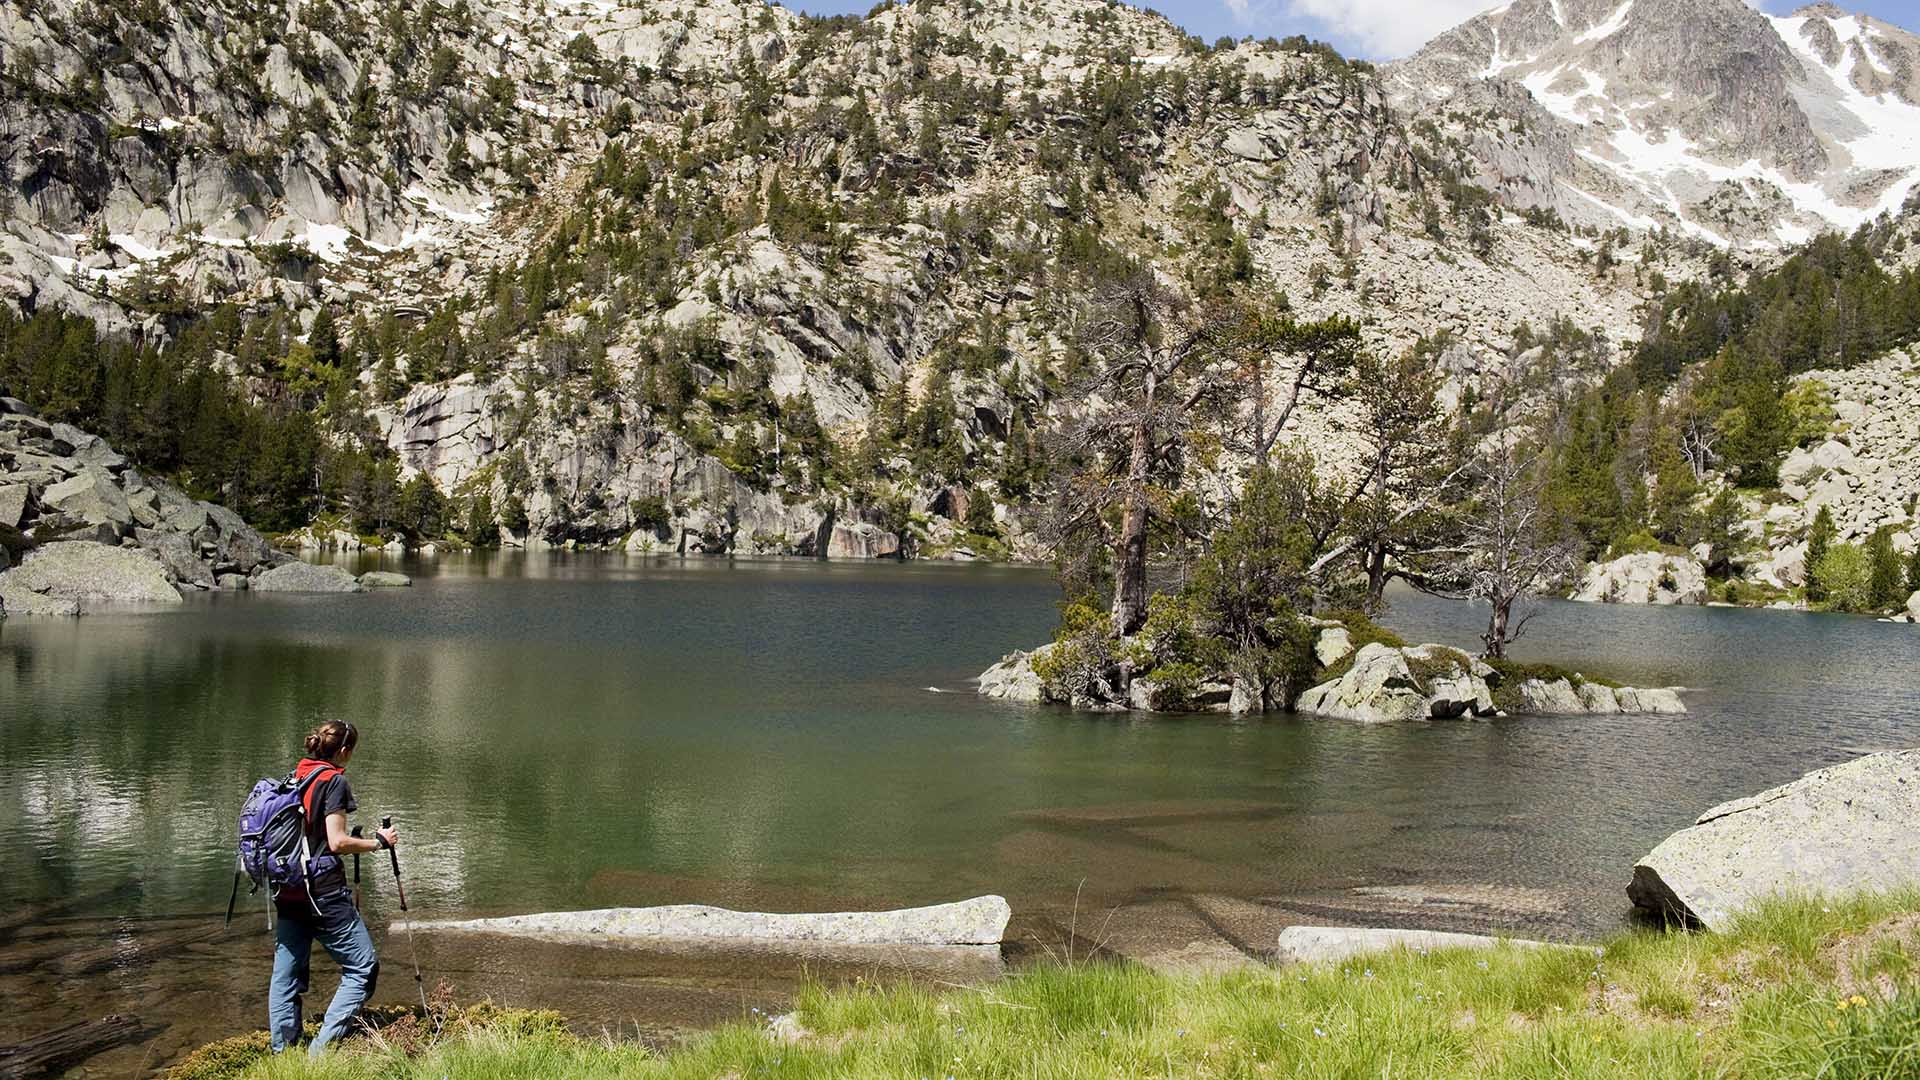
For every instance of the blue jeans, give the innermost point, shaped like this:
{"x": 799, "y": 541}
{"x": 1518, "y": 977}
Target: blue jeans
{"x": 346, "y": 939}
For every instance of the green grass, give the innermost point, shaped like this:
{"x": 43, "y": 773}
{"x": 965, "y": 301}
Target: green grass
{"x": 1799, "y": 988}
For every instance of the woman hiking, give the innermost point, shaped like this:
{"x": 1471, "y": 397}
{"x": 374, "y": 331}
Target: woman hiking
{"x": 324, "y": 908}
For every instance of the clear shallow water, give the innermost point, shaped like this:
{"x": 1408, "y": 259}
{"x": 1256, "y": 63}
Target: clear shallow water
{"x": 588, "y": 730}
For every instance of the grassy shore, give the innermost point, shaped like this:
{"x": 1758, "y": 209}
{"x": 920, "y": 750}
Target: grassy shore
{"x": 1801, "y": 988}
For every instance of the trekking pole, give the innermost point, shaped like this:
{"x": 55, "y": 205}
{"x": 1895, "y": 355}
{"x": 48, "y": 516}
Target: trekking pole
{"x": 356, "y": 868}
{"x": 413, "y": 948}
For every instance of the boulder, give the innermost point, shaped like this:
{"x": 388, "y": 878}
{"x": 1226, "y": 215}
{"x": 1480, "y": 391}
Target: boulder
{"x": 1913, "y": 607}
{"x": 979, "y": 921}
{"x": 231, "y": 582}
{"x": 1849, "y": 827}
{"x": 1647, "y": 577}
{"x": 1333, "y": 646}
{"x": 177, "y": 555}
{"x": 1663, "y": 702}
{"x": 1013, "y": 678}
{"x": 16, "y": 600}
{"x": 385, "y": 579}
{"x": 13, "y": 505}
{"x": 87, "y": 573}
{"x": 1331, "y": 944}
{"x": 300, "y": 577}
{"x": 1378, "y": 689}
{"x": 92, "y": 497}
{"x": 1550, "y": 697}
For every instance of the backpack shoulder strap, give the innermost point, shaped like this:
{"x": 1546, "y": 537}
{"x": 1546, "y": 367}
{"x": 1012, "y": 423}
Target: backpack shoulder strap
{"x": 324, "y": 772}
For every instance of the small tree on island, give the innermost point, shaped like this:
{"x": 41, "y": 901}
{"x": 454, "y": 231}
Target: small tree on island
{"x": 1509, "y": 557}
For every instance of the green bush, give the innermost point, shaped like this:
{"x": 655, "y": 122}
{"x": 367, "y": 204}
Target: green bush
{"x": 1846, "y": 578}
{"x": 1082, "y": 652}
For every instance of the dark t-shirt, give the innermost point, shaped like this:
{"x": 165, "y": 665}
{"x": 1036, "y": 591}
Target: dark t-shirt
{"x": 332, "y": 795}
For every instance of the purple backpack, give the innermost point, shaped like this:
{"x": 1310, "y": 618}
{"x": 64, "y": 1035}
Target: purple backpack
{"x": 274, "y": 852}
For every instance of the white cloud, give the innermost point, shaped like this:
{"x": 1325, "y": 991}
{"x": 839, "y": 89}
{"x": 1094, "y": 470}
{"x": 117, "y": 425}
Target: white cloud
{"x": 1377, "y": 28}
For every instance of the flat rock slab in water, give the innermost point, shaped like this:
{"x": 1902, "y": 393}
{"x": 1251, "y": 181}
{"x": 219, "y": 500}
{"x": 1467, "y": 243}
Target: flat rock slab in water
{"x": 1849, "y": 827}
{"x": 1315, "y": 944}
{"x": 980, "y": 921}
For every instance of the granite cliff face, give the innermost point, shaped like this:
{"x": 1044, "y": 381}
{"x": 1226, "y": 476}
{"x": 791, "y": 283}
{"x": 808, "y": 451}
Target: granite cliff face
{"x": 1703, "y": 116}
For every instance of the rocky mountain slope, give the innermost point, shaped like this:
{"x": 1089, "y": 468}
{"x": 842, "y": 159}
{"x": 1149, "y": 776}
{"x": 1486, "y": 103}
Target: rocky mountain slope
{"x": 607, "y": 244}
{"x": 718, "y": 277}
{"x": 1702, "y": 116}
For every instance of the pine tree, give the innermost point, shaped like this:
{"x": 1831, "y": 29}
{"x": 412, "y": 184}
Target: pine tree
{"x": 1888, "y": 577}
{"x": 324, "y": 339}
{"x": 482, "y": 531}
{"x": 1819, "y": 540}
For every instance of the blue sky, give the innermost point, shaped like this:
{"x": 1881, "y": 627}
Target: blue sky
{"x": 1376, "y": 29}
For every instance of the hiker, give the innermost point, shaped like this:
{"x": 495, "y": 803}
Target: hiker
{"x": 323, "y": 908}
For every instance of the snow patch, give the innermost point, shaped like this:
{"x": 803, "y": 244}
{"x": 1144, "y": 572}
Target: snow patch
{"x": 140, "y": 252}
{"x": 432, "y": 205}
{"x": 1614, "y": 24}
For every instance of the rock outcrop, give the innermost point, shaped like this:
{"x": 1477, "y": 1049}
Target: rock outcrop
{"x": 1433, "y": 682}
{"x": 82, "y": 526}
{"x": 1849, "y": 827}
{"x": 84, "y": 572}
{"x": 1382, "y": 688}
{"x": 979, "y": 921}
{"x": 1647, "y": 577}
{"x": 306, "y": 578}
{"x": 1013, "y": 678}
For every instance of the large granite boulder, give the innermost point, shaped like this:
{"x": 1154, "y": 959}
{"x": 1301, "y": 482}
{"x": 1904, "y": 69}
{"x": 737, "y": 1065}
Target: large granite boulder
{"x": 1848, "y": 827}
{"x": 1913, "y": 607}
{"x": 1647, "y": 577}
{"x": 1378, "y": 689}
{"x": 979, "y": 921}
{"x": 300, "y": 577}
{"x": 91, "y": 497}
{"x": 82, "y": 572}
{"x": 1013, "y": 678}
{"x": 13, "y": 505}
{"x": 177, "y": 556}
{"x": 1386, "y": 685}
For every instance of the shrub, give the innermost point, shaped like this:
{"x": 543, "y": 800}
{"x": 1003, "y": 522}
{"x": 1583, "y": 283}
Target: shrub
{"x": 1082, "y": 653}
{"x": 1845, "y": 574}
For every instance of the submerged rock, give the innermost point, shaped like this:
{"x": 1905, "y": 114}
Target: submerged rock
{"x": 55, "y": 579}
{"x": 1315, "y": 944}
{"x": 302, "y": 577}
{"x": 1849, "y": 827}
{"x": 979, "y": 921}
{"x": 385, "y": 579}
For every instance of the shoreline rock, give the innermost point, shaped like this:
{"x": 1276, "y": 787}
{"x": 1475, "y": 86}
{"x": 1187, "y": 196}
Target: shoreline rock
{"x": 299, "y": 577}
{"x": 1318, "y": 944}
{"x": 1647, "y": 577}
{"x": 1847, "y": 827}
{"x": 979, "y": 921}
{"x": 63, "y": 576}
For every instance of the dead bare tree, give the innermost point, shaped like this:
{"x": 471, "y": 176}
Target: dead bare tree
{"x": 1156, "y": 359}
{"x": 1508, "y": 556}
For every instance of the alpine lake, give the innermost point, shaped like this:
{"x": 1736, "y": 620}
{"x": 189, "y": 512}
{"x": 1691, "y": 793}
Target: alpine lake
{"x": 564, "y": 731}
